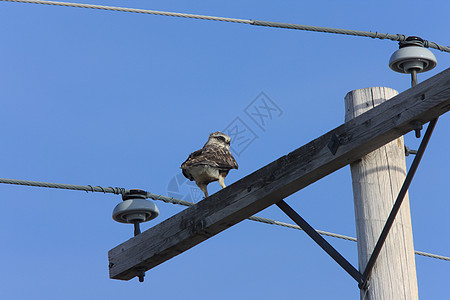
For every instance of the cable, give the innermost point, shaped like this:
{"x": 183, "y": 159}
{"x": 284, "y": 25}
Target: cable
{"x": 121, "y": 191}
{"x": 134, "y": 10}
{"x": 253, "y": 218}
{"x": 375, "y": 35}
{"x": 273, "y": 222}
{"x": 432, "y": 255}
{"x": 278, "y": 223}
{"x": 86, "y": 188}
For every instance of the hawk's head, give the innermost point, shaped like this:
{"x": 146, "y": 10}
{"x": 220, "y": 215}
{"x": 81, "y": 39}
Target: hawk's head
{"x": 219, "y": 139}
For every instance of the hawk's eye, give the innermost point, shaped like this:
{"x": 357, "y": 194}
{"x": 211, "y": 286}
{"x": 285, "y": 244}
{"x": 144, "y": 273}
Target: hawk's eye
{"x": 221, "y": 138}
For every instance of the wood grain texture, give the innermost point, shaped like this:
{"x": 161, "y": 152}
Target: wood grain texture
{"x": 281, "y": 178}
{"x": 377, "y": 178}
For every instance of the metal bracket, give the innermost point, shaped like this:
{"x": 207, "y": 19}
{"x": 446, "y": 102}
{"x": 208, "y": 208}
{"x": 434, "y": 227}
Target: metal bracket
{"x": 334, "y": 144}
{"x": 409, "y": 151}
{"x": 362, "y": 279}
{"x": 321, "y": 241}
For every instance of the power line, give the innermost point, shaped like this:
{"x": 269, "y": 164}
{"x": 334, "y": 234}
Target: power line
{"x": 278, "y": 223}
{"x": 134, "y": 10}
{"x": 121, "y": 191}
{"x": 375, "y": 35}
{"x": 253, "y": 218}
{"x": 86, "y": 188}
{"x": 432, "y": 255}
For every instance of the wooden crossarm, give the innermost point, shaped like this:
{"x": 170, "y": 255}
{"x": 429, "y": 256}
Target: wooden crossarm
{"x": 282, "y": 177}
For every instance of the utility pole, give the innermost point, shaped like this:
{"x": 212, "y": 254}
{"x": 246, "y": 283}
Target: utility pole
{"x": 377, "y": 179}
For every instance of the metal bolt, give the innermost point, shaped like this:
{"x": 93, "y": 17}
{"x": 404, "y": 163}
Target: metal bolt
{"x": 409, "y": 151}
{"x": 140, "y": 274}
{"x": 417, "y": 126}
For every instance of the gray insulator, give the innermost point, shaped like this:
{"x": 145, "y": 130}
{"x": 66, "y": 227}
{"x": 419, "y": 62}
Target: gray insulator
{"x": 413, "y": 57}
{"x": 135, "y": 211}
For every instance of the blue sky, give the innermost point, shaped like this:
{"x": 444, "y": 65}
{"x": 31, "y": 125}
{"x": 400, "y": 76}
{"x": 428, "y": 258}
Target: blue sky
{"x": 120, "y": 99}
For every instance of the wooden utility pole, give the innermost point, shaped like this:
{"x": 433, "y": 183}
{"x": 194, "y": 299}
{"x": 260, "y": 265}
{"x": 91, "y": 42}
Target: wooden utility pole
{"x": 377, "y": 179}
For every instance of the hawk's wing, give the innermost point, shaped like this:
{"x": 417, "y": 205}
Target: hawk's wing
{"x": 211, "y": 156}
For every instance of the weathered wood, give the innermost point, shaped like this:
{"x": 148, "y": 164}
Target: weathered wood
{"x": 377, "y": 178}
{"x": 281, "y": 178}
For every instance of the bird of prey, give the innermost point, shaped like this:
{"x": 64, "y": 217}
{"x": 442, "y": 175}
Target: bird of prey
{"x": 211, "y": 163}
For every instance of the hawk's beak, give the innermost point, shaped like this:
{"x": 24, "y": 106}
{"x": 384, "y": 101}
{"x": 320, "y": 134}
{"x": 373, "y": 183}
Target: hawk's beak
{"x": 228, "y": 142}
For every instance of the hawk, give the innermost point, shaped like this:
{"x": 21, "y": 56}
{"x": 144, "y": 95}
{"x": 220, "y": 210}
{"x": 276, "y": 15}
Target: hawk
{"x": 211, "y": 163}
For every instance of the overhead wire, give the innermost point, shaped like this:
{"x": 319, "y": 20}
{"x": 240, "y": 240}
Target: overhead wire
{"x": 133, "y": 10}
{"x": 86, "y": 188}
{"x": 121, "y": 191}
{"x": 375, "y": 35}
{"x": 283, "y": 224}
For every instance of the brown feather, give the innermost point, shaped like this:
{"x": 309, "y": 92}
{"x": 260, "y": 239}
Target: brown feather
{"x": 213, "y": 156}
{"x": 211, "y": 163}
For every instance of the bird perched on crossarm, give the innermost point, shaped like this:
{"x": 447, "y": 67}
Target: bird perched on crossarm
{"x": 211, "y": 163}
